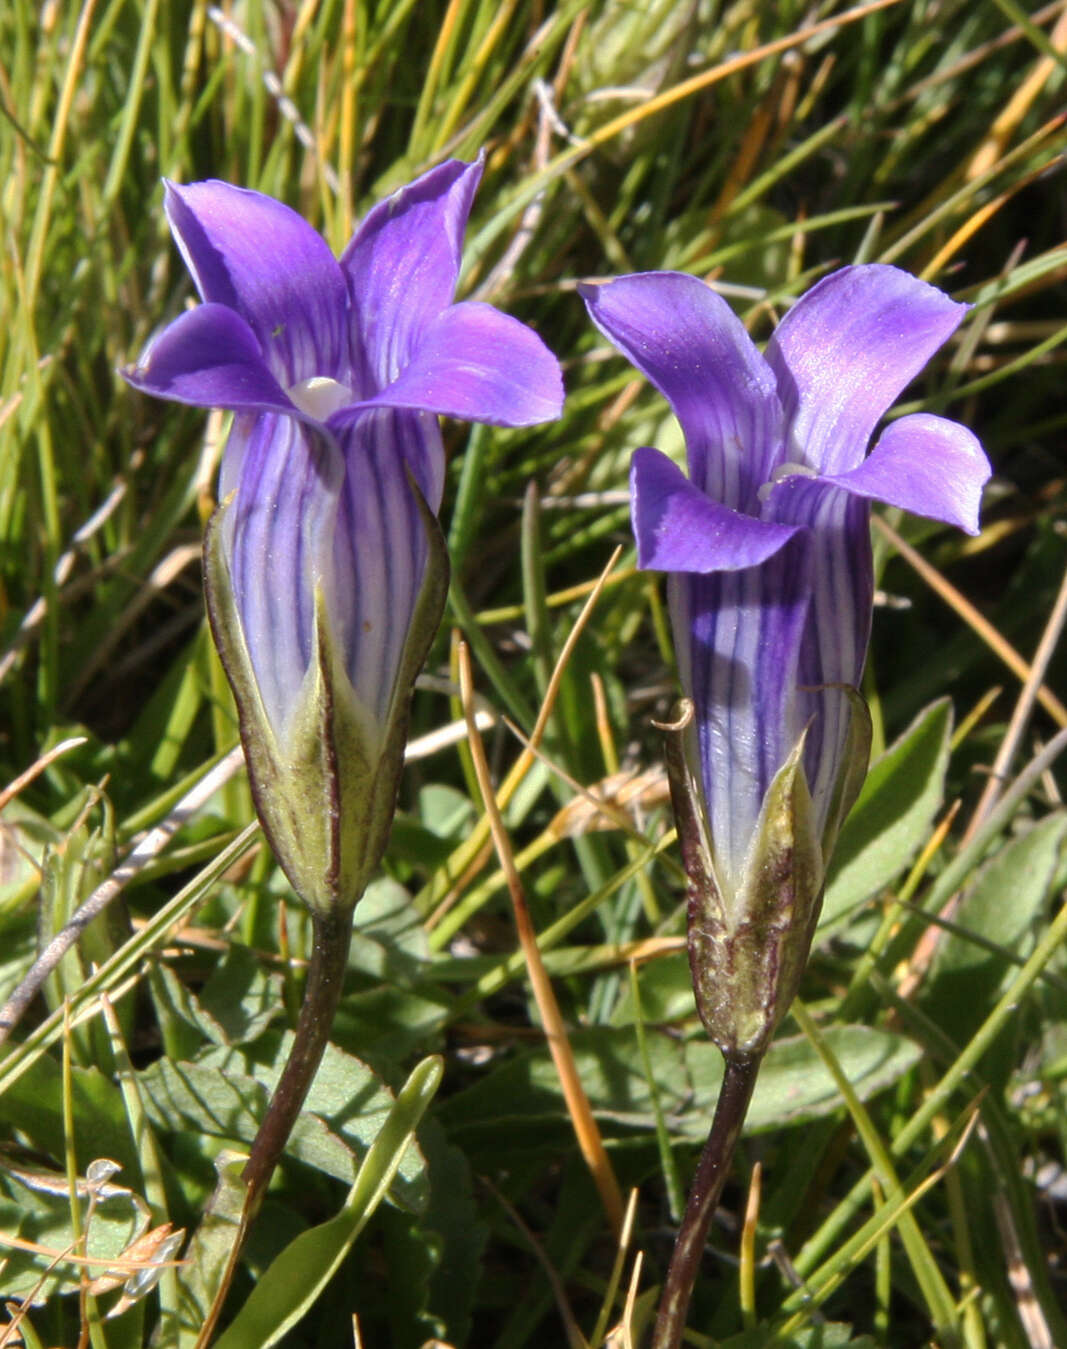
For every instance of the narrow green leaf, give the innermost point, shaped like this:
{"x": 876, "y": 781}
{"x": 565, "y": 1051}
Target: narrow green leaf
{"x": 209, "y": 1250}
{"x": 297, "y": 1277}
{"x": 924, "y": 1266}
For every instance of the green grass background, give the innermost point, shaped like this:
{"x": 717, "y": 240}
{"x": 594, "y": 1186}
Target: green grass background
{"x": 918, "y": 1196}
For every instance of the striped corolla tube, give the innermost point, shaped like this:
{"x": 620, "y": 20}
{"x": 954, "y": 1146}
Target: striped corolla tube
{"x": 767, "y": 547}
{"x": 325, "y": 568}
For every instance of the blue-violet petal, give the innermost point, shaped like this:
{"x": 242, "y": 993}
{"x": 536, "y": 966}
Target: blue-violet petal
{"x": 260, "y": 258}
{"x": 845, "y": 351}
{"x": 680, "y": 528}
{"x": 695, "y": 350}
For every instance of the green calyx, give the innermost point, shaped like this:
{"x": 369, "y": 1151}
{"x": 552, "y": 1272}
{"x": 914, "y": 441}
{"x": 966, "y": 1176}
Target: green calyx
{"x": 325, "y": 785}
{"x": 748, "y": 948}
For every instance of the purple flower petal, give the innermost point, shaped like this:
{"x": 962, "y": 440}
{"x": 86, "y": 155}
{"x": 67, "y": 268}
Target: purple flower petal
{"x": 209, "y": 357}
{"x": 679, "y": 528}
{"x": 479, "y": 364}
{"x": 836, "y": 643}
{"x": 927, "y": 465}
{"x": 739, "y": 639}
{"x": 278, "y": 530}
{"x": 379, "y": 551}
{"x": 257, "y": 256}
{"x": 695, "y": 350}
{"x": 402, "y": 266}
{"x": 845, "y": 351}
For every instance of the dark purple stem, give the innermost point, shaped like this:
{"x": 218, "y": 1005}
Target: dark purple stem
{"x": 331, "y": 936}
{"x": 739, "y": 1079}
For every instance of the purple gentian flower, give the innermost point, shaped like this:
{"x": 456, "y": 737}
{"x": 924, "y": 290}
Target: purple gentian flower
{"x": 325, "y": 569}
{"x": 767, "y": 542}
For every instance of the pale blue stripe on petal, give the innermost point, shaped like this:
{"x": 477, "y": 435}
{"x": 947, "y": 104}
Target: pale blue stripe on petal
{"x": 740, "y": 636}
{"x": 278, "y": 526}
{"x": 680, "y": 528}
{"x": 208, "y": 357}
{"x": 380, "y": 550}
{"x": 401, "y": 267}
{"x": 927, "y": 465}
{"x": 473, "y": 362}
{"x": 845, "y": 351}
{"x": 835, "y": 647}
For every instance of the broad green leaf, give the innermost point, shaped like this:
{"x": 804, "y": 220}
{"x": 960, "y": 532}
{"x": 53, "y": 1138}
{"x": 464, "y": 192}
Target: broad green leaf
{"x": 425, "y": 840}
{"x": 793, "y": 1085}
{"x": 666, "y": 993}
{"x": 224, "y": 1094}
{"x": 1001, "y": 910}
{"x": 506, "y": 1113}
{"x": 33, "y": 1104}
{"x": 511, "y": 1105}
{"x": 24, "y": 838}
{"x": 241, "y": 997}
{"x": 43, "y": 1217}
{"x": 454, "y": 1231}
{"x": 392, "y": 1022}
{"x": 892, "y": 816}
{"x": 183, "y": 1022}
{"x": 297, "y": 1277}
{"x": 388, "y": 941}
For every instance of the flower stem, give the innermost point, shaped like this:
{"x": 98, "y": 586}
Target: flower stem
{"x": 738, "y": 1082}
{"x": 331, "y": 936}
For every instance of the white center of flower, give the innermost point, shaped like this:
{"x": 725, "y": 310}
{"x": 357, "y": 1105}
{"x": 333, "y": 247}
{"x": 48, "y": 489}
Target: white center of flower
{"x": 320, "y": 397}
{"x": 783, "y": 471}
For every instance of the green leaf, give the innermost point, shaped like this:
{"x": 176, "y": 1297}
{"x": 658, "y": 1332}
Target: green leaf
{"x": 183, "y": 1022}
{"x": 393, "y": 1022}
{"x": 224, "y": 1094}
{"x": 426, "y": 840}
{"x": 1002, "y": 911}
{"x": 241, "y": 997}
{"x": 389, "y": 941}
{"x": 793, "y": 1085}
{"x": 892, "y": 817}
{"x": 20, "y": 950}
{"x": 43, "y": 1217}
{"x": 453, "y": 1226}
{"x": 666, "y": 993}
{"x": 33, "y": 1104}
{"x": 825, "y": 1335}
{"x": 299, "y": 1274}
{"x": 25, "y": 837}
{"x": 208, "y": 1252}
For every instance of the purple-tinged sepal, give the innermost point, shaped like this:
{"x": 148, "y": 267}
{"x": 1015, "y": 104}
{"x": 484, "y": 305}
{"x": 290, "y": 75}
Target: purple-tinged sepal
{"x": 325, "y": 779}
{"x": 748, "y": 944}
